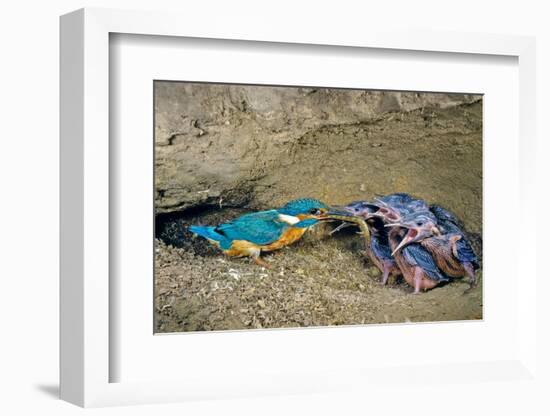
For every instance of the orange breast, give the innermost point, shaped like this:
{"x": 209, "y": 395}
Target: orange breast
{"x": 289, "y": 236}
{"x": 240, "y": 248}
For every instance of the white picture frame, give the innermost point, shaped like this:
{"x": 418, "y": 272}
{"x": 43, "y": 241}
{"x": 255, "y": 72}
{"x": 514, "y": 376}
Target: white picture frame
{"x": 86, "y": 356}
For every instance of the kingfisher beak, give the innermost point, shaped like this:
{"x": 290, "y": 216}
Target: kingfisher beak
{"x": 337, "y": 213}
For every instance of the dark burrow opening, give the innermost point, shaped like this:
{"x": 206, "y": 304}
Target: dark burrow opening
{"x": 172, "y": 228}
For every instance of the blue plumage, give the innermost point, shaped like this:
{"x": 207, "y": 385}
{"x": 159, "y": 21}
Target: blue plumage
{"x": 434, "y": 245}
{"x": 260, "y": 228}
{"x": 210, "y": 233}
{"x": 417, "y": 255}
{"x": 397, "y": 198}
{"x": 450, "y": 224}
{"x": 251, "y": 233}
{"x": 309, "y": 222}
{"x": 380, "y": 246}
{"x": 302, "y": 206}
{"x": 445, "y": 216}
{"x": 403, "y": 203}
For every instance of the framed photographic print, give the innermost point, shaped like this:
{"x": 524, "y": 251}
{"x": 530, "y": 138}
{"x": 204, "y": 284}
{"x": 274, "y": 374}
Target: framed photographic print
{"x": 263, "y": 213}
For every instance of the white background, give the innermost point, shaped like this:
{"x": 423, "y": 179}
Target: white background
{"x": 137, "y": 60}
{"x": 29, "y": 175}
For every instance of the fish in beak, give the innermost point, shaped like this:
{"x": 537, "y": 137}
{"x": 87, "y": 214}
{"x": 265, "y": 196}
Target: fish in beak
{"x": 339, "y": 214}
{"x": 348, "y": 218}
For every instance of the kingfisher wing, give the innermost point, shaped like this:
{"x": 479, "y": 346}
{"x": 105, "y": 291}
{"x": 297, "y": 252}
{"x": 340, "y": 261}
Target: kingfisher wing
{"x": 404, "y": 203}
{"x": 417, "y": 255}
{"x": 380, "y": 248}
{"x": 450, "y": 224}
{"x": 465, "y": 251}
{"x": 446, "y": 218}
{"x": 398, "y": 198}
{"x": 260, "y": 228}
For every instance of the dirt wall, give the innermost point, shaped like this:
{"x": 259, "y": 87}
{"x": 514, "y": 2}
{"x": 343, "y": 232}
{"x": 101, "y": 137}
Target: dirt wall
{"x": 257, "y": 147}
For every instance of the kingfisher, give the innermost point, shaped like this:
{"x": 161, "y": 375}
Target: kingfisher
{"x": 444, "y": 240}
{"x": 251, "y": 234}
{"x": 377, "y": 247}
{"x": 394, "y": 206}
{"x": 415, "y": 262}
{"x": 390, "y": 208}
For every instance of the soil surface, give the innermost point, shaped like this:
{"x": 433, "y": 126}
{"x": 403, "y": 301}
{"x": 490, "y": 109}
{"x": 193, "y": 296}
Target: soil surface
{"x": 433, "y": 152}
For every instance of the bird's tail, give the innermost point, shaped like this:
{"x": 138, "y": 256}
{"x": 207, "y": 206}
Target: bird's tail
{"x": 208, "y": 232}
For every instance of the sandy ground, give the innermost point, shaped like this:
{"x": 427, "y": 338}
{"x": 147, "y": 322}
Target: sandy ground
{"x": 322, "y": 280}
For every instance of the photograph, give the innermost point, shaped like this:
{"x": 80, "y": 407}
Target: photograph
{"x": 280, "y": 206}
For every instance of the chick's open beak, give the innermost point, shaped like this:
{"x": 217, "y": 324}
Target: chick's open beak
{"x": 387, "y": 214}
{"x": 415, "y": 233}
{"x": 410, "y": 237}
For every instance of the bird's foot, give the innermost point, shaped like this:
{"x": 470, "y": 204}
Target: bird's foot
{"x": 417, "y": 279}
{"x": 470, "y": 289}
{"x": 262, "y": 263}
{"x": 472, "y": 279}
{"x": 385, "y": 275}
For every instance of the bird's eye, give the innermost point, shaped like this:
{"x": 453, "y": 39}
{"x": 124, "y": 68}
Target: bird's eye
{"x": 315, "y": 211}
{"x": 418, "y": 223}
